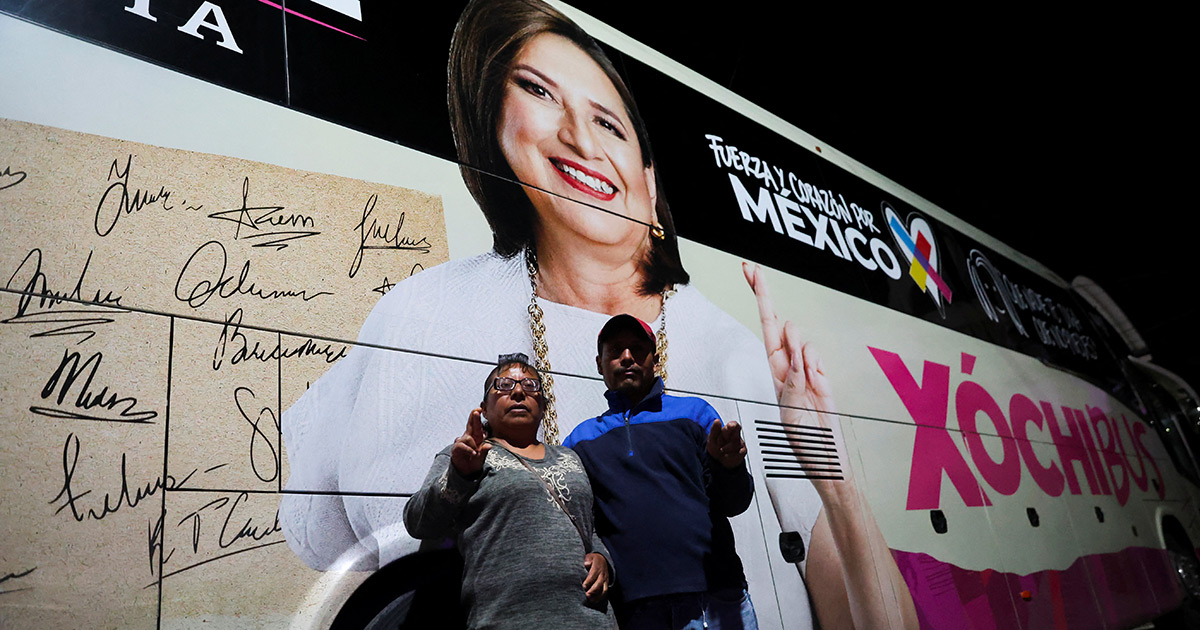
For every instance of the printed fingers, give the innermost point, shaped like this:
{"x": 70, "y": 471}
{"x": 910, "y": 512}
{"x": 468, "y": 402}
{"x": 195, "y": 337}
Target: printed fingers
{"x": 795, "y": 381}
{"x": 772, "y": 338}
{"x": 817, "y": 381}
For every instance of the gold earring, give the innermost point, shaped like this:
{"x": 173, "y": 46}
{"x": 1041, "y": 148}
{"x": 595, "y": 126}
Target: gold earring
{"x": 657, "y": 232}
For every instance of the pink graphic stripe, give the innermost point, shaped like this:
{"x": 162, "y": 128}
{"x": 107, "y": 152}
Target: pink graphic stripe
{"x": 1067, "y": 599}
{"x": 301, "y": 15}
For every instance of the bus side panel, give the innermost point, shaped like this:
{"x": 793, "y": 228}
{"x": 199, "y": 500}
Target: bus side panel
{"x": 944, "y": 423}
{"x": 1116, "y": 590}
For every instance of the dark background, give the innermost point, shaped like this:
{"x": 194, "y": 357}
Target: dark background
{"x": 1062, "y": 134}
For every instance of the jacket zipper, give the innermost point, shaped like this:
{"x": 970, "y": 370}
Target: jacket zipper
{"x": 628, "y": 432}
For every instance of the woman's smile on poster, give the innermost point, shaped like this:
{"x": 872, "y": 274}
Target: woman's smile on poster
{"x": 564, "y": 131}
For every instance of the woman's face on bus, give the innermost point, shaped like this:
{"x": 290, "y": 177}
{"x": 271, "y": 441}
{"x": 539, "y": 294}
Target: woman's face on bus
{"x": 564, "y": 129}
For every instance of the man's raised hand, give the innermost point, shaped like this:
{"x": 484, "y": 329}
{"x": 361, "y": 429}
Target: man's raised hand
{"x": 725, "y": 443}
{"x": 470, "y": 450}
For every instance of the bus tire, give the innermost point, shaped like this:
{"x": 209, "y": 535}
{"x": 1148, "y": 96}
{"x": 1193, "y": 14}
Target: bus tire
{"x": 417, "y": 591}
{"x": 1187, "y": 569}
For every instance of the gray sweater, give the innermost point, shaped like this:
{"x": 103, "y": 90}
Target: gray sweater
{"x": 523, "y": 558}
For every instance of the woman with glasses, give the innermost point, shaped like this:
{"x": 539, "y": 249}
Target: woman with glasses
{"x": 588, "y": 234}
{"x": 520, "y": 511}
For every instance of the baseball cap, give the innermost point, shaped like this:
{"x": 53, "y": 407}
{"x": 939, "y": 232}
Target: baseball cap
{"x": 621, "y": 322}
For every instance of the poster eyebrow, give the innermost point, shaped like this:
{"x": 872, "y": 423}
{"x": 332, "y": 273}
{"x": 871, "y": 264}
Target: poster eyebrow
{"x": 541, "y": 75}
{"x": 608, "y": 112}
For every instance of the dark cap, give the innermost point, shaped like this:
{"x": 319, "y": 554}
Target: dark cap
{"x": 624, "y": 322}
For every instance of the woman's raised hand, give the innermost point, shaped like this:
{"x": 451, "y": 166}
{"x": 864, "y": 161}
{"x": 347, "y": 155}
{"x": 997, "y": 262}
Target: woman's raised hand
{"x": 801, "y": 387}
{"x": 470, "y": 450}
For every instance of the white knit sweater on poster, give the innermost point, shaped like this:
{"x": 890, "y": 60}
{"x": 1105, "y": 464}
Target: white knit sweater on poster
{"x": 374, "y": 422}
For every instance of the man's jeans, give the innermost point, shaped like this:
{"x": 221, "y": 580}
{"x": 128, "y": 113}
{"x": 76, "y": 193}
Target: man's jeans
{"x": 725, "y": 609}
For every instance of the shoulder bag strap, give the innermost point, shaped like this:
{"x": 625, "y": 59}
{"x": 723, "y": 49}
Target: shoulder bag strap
{"x": 587, "y": 543}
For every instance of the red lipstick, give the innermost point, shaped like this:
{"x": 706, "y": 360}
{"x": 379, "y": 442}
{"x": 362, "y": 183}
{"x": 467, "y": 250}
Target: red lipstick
{"x": 584, "y": 179}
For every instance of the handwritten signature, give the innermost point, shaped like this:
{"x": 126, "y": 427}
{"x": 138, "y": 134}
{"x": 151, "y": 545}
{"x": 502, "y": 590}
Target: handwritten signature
{"x": 231, "y": 531}
{"x": 63, "y": 380}
{"x": 127, "y": 496}
{"x": 31, "y": 282}
{"x": 262, "y": 218}
{"x": 20, "y": 574}
{"x": 259, "y": 438}
{"x": 376, "y": 233}
{"x": 10, "y": 178}
{"x": 232, "y": 338}
{"x": 212, "y": 255}
{"x": 117, "y": 200}
{"x": 388, "y": 285}
{"x": 236, "y": 527}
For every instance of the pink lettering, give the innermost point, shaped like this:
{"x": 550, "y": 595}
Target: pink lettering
{"x": 1081, "y": 423}
{"x": 1003, "y": 476}
{"x": 934, "y": 451}
{"x": 1022, "y": 410}
{"x": 1138, "y": 430}
{"x": 1070, "y": 448}
{"x": 1108, "y": 448}
{"x": 1106, "y": 459}
{"x": 1138, "y": 477}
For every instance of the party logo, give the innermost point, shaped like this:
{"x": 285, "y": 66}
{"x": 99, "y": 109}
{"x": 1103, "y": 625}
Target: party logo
{"x": 916, "y": 242}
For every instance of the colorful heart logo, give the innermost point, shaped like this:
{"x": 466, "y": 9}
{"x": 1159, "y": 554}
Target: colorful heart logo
{"x": 916, "y": 242}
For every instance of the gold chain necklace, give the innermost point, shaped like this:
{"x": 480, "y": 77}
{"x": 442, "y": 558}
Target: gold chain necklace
{"x": 541, "y": 351}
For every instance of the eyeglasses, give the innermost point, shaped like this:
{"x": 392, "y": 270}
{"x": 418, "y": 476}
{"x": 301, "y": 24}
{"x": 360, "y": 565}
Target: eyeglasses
{"x": 506, "y": 384}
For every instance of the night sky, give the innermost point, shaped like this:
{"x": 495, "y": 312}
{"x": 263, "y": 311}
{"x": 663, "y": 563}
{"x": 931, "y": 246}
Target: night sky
{"x": 1063, "y": 135}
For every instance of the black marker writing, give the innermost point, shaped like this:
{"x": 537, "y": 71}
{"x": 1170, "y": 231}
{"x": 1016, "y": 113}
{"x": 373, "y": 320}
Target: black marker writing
{"x": 232, "y": 342}
{"x": 154, "y": 536}
{"x": 234, "y": 528}
{"x": 77, "y": 320}
{"x": 245, "y": 530}
{"x": 215, "y": 559}
{"x": 126, "y": 496}
{"x": 259, "y": 438}
{"x": 21, "y": 574}
{"x": 87, "y": 405}
{"x": 10, "y": 178}
{"x": 195, "y": 286}
{"x": 117, "y": 199}
{"x": 384, "y": 288}
{"x": 377, "y": 233}
{"x": 388, "y": 286}
{"x": 261, "y": 220}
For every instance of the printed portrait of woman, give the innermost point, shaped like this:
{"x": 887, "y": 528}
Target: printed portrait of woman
{"x": 585, "y": 235}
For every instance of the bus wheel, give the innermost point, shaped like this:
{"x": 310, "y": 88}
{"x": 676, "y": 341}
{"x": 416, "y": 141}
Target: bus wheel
{"x": 415, "y": 592}
{"x": 1187, "y": 567}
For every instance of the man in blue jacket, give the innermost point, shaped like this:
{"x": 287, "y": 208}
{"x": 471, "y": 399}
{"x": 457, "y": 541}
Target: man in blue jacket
{"x": 666, "y": 474}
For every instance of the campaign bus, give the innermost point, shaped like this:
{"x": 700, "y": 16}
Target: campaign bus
{"x": 261, "y": 258}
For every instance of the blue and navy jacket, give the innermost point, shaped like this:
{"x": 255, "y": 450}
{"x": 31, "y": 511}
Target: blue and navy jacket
{"x": 662, "y": 503}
